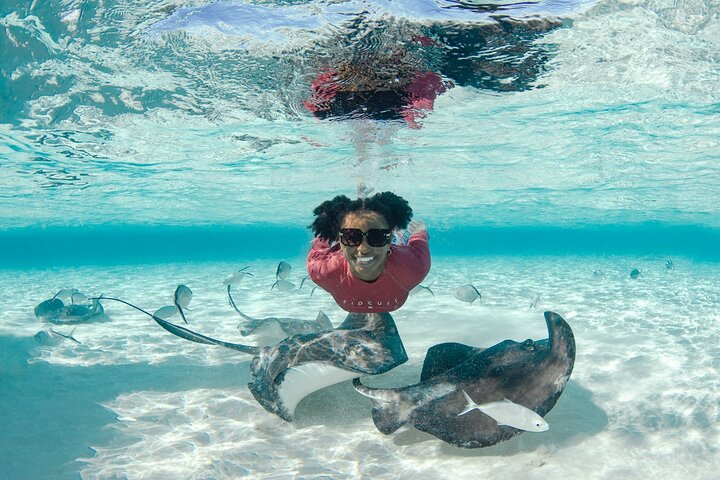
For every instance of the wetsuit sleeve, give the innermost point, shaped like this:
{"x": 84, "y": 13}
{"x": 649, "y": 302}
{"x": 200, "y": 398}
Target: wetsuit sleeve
{"x": 417, "y": 263}
{"x": 324, "y": 88}
{"x": 422, "y": 91}
{"x": 325, "y": 264}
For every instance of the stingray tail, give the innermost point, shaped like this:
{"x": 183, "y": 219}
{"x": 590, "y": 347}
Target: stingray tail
{"x": 188, "y": 334}
{"x": 386, "y": 411}
{"x": 232, "y": 304}
{"x": 180, "y": 309}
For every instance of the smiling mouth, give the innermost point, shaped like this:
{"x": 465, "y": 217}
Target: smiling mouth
{"x": 363, "y": 261}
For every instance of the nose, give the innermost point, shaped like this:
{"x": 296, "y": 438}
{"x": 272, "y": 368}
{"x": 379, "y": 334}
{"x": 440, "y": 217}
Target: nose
{"x": 364, "y": 245}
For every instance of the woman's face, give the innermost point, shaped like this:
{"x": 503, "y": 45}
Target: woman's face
{"x": 366, "y": 262}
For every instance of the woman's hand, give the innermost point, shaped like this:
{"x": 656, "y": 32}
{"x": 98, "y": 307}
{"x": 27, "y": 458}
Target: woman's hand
{"x": 416, "y": 226}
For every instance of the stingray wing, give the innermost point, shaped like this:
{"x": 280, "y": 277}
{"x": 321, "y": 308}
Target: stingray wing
{"x": 315, "y": 360}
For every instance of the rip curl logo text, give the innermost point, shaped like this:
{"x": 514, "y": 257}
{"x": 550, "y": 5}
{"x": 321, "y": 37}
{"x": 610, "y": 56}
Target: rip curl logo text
{"x": 369, "y": 304}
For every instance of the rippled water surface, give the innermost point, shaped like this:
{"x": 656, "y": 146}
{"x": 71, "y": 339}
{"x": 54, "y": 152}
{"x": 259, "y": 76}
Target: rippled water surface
{"x": 191, "y": 112}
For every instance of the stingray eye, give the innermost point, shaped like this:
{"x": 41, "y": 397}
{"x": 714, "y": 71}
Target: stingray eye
{"x": 529, "y": 344}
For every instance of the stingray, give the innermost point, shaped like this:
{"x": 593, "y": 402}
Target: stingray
{"x": 278, "y": 327}
{"x": 273, "y": 329}
{"x": 55, "y": 311}
{"x": 284, "y": 373}
{"x": 532, "y": 374}
{"x": 48, "y": 309}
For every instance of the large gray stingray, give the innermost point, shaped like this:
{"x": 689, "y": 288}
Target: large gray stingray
{"x": 273, "y": 329}
{"x": 284, "y": 373}
{"x": 531, "y": 374}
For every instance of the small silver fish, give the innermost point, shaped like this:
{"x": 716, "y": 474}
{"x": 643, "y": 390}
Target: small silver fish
{"x": 283, "y": 285}
{"x": 283, "y": 271}
{"x": 635, "y": 274}
{"x": 669, "y": 264}
{"x": 467, "y": 293}
{"x": 307, "y": 279}
{"x": 420, "y": 288}
{"x": 508, "y": 413}
{"x": 535, "y": 302}
{"x": 235, "y": 278}
{"x": 78, "y": 298}
{"x": 165, "y": 313}
{"x": 183, "y": 295}
{"x": 52, "y": 338}
{"x": 66, "y": 293}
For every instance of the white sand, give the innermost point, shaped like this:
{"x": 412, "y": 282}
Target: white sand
{"x": 133, "y": 401}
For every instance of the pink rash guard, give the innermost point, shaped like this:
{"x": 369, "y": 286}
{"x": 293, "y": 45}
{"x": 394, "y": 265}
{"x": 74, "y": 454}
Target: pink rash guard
{"x": 406, "y": 266}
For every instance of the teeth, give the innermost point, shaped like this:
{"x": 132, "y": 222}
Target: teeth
{"x": 364, "y": 260}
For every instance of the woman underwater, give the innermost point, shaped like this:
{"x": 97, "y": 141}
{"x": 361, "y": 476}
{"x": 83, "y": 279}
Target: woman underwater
{"x": 353, "y": 259}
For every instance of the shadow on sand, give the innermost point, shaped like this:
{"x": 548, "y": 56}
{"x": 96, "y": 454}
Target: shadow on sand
{"x": 574, "y": 418}
{"x": 50, "y": 414}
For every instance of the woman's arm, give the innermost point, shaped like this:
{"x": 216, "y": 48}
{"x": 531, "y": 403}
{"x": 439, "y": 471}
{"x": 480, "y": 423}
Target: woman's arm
{"x": 416, "y": 259}
{"x": 324, "y": 263}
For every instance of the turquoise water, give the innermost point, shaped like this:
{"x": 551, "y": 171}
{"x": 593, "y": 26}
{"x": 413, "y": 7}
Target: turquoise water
{"x": 147, "y": 144}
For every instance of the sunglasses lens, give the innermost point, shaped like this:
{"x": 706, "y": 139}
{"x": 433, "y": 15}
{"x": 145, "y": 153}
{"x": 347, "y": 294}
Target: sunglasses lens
{"x": 351, "y": 237}
{"x": 377, "y": 237}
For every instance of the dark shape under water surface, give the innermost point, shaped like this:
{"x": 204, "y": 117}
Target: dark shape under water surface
{"x": 283, "y": 374}
{"x": 532, "y": 374}
{"x": 635, "y": 274}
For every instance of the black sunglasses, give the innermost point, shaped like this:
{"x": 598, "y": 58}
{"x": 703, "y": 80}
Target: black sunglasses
{"x": 376, "y": 237}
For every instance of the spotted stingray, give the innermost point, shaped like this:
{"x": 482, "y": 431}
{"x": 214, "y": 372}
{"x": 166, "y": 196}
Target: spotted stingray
{"x": 532, "y": 374}
{"x": 284, "y": 373}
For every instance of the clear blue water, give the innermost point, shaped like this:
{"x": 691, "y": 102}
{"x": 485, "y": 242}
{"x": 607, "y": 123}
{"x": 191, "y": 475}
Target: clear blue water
{"x": 150, "y": 143}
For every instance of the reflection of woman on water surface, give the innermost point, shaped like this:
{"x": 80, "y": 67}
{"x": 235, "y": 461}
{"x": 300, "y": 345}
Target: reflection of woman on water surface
{"x": 389, "y": 85}
{"x": 393, "y": 72}
{"x": 352, "y": 256}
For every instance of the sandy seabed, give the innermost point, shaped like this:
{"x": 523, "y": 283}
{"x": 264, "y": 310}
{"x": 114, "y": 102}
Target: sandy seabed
{"x": 133, "y": 401}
